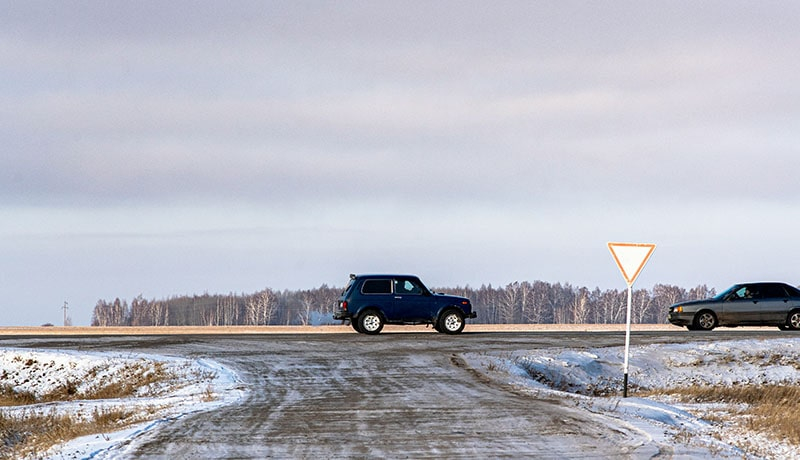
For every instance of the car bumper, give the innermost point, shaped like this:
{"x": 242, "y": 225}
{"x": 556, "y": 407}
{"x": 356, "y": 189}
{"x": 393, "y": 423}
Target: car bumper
{"x": 472, "y": 315}
{"x": 341, "y": 315}
{"x": 681, "y": 319}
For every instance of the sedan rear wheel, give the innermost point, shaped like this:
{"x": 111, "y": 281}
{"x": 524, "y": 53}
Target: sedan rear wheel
{"x": 794, "y": 320}
{"x": 705, "y": 321}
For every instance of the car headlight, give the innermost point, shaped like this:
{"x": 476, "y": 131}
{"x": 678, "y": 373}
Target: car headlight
{"x": 678, "y": 309}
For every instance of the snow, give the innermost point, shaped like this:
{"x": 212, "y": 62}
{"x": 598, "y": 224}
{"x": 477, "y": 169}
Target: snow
{"x": 205, "y": 385}
{"x": 590, "y": 379}
{"x": 585, "y": 375}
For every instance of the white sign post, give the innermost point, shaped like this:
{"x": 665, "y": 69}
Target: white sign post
{"x": 630, "y": 258}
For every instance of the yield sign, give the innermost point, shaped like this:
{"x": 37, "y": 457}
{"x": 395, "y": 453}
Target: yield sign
{"x": 631, "y": 258}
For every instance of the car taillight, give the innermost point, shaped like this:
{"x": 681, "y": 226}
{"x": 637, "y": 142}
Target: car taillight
{"x": 344, "y": 305}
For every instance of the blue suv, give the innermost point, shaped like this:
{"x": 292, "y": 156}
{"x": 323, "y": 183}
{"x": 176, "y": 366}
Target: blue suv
{"x": 370, "y": 301}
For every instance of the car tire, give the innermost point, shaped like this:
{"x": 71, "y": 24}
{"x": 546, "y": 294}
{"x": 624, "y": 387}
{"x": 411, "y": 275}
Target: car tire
{"x": 451, "y": 321}
{"x": 370, "y": 322}
{"x": 793, "y": 320}
{"x": 705, "y": 320}
{"x": 354, "y": 323}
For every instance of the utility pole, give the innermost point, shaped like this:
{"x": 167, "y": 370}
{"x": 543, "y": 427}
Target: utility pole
{"x": 65, "y": 308}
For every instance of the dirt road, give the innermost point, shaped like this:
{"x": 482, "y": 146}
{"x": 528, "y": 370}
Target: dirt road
{"x": 394, "y": 395}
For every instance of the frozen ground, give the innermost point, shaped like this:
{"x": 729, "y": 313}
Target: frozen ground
{"x": 580, "y": 375}
{"x": 549, "y": 373}
{"x": 204, "y": 386}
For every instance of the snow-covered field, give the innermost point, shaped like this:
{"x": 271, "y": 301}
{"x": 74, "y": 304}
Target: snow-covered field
{"x": 203, "y": 386}
{"x": 574, "y": 376}
{"x": 579, "y": 375}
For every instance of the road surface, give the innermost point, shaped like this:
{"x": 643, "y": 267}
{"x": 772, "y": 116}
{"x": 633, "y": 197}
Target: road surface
{"x": 401, "y": 395}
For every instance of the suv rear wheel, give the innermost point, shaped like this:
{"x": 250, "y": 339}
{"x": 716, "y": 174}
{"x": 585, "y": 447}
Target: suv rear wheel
{"x": 451, "y": 322}
{"x": 370, "y": 322}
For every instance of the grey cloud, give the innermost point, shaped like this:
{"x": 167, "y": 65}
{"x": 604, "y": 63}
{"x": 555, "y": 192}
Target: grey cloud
{"x": 281, "y": 101}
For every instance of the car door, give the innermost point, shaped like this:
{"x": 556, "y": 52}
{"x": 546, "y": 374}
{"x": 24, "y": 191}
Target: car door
{"x": 774, "y": 306}
{"x": 742, "y": 306}
{"x": 411, "y": 302}
{"x": 377, "y": 293}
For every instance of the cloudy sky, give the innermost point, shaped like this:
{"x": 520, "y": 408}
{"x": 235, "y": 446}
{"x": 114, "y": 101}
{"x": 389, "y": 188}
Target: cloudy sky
{"x": 166, "y": 148}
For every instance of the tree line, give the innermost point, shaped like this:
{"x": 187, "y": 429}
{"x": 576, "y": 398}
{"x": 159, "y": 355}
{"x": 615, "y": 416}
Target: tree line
{"x": 524, "y": 302}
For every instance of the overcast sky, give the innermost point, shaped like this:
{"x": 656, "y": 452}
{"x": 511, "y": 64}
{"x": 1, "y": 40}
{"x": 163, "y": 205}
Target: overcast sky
{"x": 167, "y": 148}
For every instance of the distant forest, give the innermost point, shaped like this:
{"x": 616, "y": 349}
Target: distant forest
{"x": 538, "y": 302}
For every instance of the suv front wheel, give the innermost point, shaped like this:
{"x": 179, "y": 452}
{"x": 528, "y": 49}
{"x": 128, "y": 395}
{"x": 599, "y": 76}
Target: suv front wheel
{"x": 451, "y": 322}
{"x": 370, "y": 322}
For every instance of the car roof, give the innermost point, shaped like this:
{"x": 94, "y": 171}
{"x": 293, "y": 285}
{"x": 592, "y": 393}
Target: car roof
{"x": 383, "y": 275}
{"x": 762, "y": 282}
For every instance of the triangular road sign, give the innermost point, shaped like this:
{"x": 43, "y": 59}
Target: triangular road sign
{"x": 631, "y": 258}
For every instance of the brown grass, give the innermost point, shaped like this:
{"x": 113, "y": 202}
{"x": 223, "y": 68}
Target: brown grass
{"x": 136, "y": 377}
{"x": 765, "y": 408}
{"x": 10, "y": 397}
{"x": 32, "y": 433}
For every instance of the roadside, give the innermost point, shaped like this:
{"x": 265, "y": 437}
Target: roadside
{"x": 339, "y": 329}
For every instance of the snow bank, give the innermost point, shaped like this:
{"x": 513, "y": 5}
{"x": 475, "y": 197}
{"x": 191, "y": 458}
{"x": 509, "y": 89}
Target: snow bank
{"x": 583, "y": 375}
{"x": 200, "y": 385}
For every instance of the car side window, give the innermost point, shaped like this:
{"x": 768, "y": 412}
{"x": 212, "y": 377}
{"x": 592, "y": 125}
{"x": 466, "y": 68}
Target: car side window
{"x": 402, "y": 286}
{"x": 774, "y": 291}
{"x": 377, "y": 287}
{"x": 747, "y": 292}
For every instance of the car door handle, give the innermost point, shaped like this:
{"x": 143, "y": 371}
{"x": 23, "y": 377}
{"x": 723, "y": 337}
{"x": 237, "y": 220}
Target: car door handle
{"x": 398, "y": 297}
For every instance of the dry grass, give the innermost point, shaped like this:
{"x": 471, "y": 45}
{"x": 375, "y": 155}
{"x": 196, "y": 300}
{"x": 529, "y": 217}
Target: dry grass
{"x": 760, "y": 408}
{"x": 31, "y": 433}
{"x": 135, "y": 378}
{"x": 10, "y": 397}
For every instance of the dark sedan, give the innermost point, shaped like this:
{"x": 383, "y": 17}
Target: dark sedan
{"x": 748, "y": 304}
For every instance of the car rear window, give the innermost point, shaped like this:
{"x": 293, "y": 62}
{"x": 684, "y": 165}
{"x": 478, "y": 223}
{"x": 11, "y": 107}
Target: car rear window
{"x": 377, "y": 287}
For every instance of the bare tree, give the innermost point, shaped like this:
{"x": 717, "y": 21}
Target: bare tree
{"x": 260, "y": 307}
{"x": 580, "y": 306}
{"x": 641, "y": 305}
{"x": 508, "y": 303}
{"x": 701, "y": 292}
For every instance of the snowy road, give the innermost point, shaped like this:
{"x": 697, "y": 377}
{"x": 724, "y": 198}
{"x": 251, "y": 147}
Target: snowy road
{"x": 394, "y": 395}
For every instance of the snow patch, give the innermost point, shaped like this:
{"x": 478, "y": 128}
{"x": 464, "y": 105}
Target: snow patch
{"x": 204, "y": 385}
{"x": 593, "y": 380}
